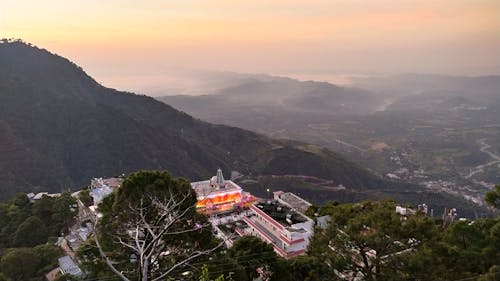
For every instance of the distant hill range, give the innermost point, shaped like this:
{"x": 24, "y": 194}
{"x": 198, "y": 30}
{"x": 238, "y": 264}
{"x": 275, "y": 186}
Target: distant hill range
{"x": 431, "y": 130}
{"x": 59, "y": 128}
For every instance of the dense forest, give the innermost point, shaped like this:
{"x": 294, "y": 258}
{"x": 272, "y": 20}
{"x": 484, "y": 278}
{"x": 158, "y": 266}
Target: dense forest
{"x": 29, "y": 232}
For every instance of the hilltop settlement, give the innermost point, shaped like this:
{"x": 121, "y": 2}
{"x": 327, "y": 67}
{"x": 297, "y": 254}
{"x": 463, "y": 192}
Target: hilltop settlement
{"x": 280, "y": 221}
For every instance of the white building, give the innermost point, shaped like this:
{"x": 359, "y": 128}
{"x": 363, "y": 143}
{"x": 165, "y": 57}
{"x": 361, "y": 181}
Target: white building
{"x": 287, "y": 230}
{"x": 100, "y": 188}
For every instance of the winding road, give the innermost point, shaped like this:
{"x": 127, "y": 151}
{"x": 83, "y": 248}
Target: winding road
{"x": 480, "y": 168}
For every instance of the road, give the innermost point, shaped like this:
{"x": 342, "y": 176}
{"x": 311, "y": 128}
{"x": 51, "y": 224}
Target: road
{"x": 480, "y": 168}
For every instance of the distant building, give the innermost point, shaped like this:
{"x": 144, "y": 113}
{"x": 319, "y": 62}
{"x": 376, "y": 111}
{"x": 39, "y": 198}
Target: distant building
{"x": 423, "y": 208}
{"x": 34, "y": 197}
{"x": 405, "y": 212}
{"x": 449, "y": 216}
{"x": 323, "y": 221}
{"x": 100, "y": 188}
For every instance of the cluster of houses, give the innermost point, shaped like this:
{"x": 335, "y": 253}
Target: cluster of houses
{"x": 232, "y": 212}
{"x": 82, "y": 229}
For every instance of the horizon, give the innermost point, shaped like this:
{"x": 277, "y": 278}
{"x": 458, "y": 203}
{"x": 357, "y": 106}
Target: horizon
{"x": 153, "y": 47}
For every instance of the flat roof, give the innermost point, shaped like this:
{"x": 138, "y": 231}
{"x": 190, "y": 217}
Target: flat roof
{"x": 295, "y": 201}
{"x": 281, "y": 213}
{"x": 203, "y": 188}
{"x": 229, "y": 229}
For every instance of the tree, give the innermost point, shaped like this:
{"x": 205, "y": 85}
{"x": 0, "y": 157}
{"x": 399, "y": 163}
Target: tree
{"x": 92, "y": 262}
{"x": 307, "y": 268}
{"x": 255, "y": 256}
{"x": 493, "y": 274}
{"x": 19, "y": 264}
{"x": 43, "y": 209}
{"x": 48, "y": 256}
{"x": 85, "y": 197}
{"x": 64, "y": 211}
{"x": 149, "y": 228}
{"x": 370, "y": 240}
{"x": 66, "y": 277}
{"x": 205, "y": 275}
{"x": 30, "y": 233}
{"x": 492, "y": 198}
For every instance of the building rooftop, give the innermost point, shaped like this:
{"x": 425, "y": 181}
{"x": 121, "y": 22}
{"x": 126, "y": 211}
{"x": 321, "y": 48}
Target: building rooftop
{"x": 205, "y": 188}
{"x": 113, "y": 182}
{"x": 233, "y": 229}
{"x": 281, "y": 213}
{"x": 67, "y": 265}
{"x": 292, "y": 200}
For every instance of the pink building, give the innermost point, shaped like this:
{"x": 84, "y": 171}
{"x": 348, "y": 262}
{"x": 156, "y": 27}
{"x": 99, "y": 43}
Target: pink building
{"x": 286, "y": 229}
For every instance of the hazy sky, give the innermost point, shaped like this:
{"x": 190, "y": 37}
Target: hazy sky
{"x": 122, "y": 42}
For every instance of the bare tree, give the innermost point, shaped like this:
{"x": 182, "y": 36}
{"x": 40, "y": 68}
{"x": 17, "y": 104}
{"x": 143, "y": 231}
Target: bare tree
{"x": 149, "y": 235}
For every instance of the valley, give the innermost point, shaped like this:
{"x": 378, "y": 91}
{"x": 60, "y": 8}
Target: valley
{"x": 439, "y": 133}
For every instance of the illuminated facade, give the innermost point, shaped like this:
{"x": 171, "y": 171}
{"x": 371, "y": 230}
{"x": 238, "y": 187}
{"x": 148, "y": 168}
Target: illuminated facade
{"x": 218, "y": 195}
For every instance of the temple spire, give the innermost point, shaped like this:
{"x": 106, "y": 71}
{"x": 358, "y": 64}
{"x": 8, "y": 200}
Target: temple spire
{"x": 220, "y": 178}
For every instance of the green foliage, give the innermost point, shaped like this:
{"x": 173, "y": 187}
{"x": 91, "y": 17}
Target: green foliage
{"x": 372, "y": 239}
{"x": 356, "y": 232}
{"x": 308, "y": 268}
{"x": 48, "y": 255}
{"x": 22, "y": 264}
{"x": 205, "y": 275}
{"x": 25, "y": 224}
{"x": 64, "y": 211}
{"x": 85, "y": 197}
{"x": 28, "y": 224}
{"x": 252, "y": 253}
{"x": 492, "y": 198}
{"x": 26, "y": 263}
{"x": 66, "y": 277}
{"x": 30, "y": 233}
{"x": 142, "y": 203}
{"x": 91, "y": 261}
{"x": 493, "y": 274}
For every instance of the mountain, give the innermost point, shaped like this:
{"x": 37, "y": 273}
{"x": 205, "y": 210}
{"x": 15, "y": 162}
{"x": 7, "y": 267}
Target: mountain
{"x": 439, "y": 132}
{"x": 59, "y": 128}
{"x": 283, "y": 94}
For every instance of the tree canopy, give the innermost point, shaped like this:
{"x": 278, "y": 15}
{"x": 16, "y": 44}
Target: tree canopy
{"x": 150, "y": 228}
{"x": 371, "y": 241}
{"x": 27, "y": 263}
{"x": 492, "y": 198}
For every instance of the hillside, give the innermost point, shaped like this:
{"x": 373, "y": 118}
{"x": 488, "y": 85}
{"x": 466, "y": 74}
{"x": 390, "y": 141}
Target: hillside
{"x": 59, "y": 128}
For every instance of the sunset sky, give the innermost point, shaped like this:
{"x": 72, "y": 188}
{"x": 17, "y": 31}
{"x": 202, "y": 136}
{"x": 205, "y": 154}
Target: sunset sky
{"x": 120, "y": 42}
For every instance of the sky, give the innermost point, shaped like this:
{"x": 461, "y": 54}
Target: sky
{"x": 141, "y": 45}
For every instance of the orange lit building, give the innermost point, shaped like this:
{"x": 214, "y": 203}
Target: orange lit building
{"x": 218, "y": 195}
